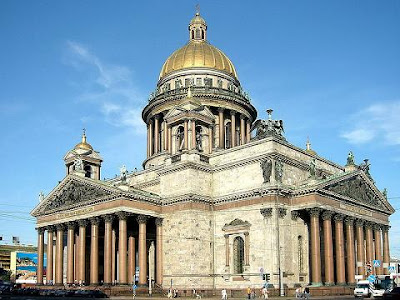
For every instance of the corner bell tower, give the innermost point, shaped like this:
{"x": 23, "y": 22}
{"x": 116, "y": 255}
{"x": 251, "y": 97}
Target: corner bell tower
{"x": 83, "y": 161}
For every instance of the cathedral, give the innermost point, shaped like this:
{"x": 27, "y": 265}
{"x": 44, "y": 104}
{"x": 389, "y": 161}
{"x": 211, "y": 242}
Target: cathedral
{"x": 224, "y": 201}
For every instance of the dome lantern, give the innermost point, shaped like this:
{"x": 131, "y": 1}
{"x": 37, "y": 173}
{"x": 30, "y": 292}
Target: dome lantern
{"x": 197, "y": 28}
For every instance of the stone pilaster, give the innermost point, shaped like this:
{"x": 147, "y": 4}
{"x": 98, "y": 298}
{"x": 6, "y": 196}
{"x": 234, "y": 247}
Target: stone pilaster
{"x": 242, "y": 130}
{"x": 233, "y": 128}
{"x": 70, "y": 252}
{"x": 315, "y": 247}
{"x": 107, "y": 248}
{"x": 156, "y": 136}
{"x": 360, "y": 247}
{"x": 40, "y": 255}
{"x": 94, "y": 251}
{"x": 369, "y": 243}
{"x": 386, "y": 254}
{"x": 247, "y": 249}
{"x": 248, "y": 132}
{"x": 351, "y": 261}
{"x": 50, "y": 261}
{"x": 378, "y": 247}
{"x": 59, "y": 254}
{"x": 82, "y": 250}
{"x": 339, "y": 247}
{"x": 328, "y": 246}
{"x": 122, "y": 247}
{"x": 142, "y": 220}
{"x": 221, "y": 131}
{"x": 159, "y": 251}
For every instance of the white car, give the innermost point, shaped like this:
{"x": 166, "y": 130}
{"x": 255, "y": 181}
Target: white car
{"x": 362, "y": 289}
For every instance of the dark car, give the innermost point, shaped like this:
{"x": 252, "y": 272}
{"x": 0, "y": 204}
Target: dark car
{"x": 393, "y": 294}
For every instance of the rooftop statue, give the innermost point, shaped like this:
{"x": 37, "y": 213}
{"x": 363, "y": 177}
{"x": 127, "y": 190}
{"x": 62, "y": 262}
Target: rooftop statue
{"x": 269, "y": 127}
{"x": 350, "y": 158}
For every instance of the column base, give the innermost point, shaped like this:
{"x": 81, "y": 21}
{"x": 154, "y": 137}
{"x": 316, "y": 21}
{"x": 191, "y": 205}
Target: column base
{"x": 341, "y": 283}
{"x": 329, "y": 283}
{"x": 316, "y": 284}
{"x": 351, "y": 284}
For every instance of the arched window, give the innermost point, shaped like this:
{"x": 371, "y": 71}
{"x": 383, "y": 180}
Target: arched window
{"x": 88, "y": 171}
{"x": 180, "y": 138}
{"x": 228, "y": 135}
{"x": 238, "y": 254}
{"x": 192, "y": 34}
{"x": 300, "y": 253}
{"x": 202, "y": 34}
{"x": 197, "y": 34}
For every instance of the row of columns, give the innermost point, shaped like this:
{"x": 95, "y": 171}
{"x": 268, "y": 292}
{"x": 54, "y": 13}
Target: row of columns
{"x": 157, "y": 143}
{"x": 345, "y": 252}
{"x": 245, "y": 134}
{"x": 76, "y": 251}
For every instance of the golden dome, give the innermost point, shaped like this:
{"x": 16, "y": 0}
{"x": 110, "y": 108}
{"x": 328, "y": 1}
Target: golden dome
{"x": 197, "y": 19}
{"x": 198, "y": 54}
{"x": 83, "y": 144}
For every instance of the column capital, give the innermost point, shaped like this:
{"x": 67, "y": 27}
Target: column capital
{"x": 360, "y": 222}
{"x": 295, "y": 214}
{"x": 266, "y": 212}
{"x": 122, "y": 215}
{"x": 108, "y": 218}
{"x": 94, "y": 221}
{"x": 377, "y": 227}
{"x": 338, "y": 218}
{"x": 327, "y": 215}
{"x": 221, "y": 109}
{"x": 226, "y": 236}
{"x": 282, "y": 212}
{"x": 142, "y": 219}
{"x": 368, "y": 224}
{"x": 157, "y": 117}
{"x": 349, "y": 221}
{"x": 159, "y": 221}
{"x": 242, "y": 117}
{"x": 40, "y": 230}
{"x": 82, "y": 222}
{"x": 385, "y": 228}
{"x": 51, "y": 228}
{"x": 71, "y": 225}
{"x": 232, "y": 112}
{"x": 314, "y": 212}
{"x": 60, "y": 227}
{"x": 246, "y": 233}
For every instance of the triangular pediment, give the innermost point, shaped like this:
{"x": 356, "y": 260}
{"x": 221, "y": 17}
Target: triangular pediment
{"x": 72, "y": 192}
{"x": 357, "y": 188}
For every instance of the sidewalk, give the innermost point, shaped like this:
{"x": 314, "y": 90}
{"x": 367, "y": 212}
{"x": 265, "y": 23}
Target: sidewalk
{"x": 218, "y": 298}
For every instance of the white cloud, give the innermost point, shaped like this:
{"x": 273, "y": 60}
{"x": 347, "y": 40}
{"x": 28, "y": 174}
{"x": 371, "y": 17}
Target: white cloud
{"x": 110, "y": 87}
{"x": 378, "y": 122}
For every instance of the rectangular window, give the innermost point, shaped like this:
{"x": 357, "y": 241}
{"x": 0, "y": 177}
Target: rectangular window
{"x": 198, "y": 81}
{"x": 187, "y": 82}
{"x": 208, "y": 82}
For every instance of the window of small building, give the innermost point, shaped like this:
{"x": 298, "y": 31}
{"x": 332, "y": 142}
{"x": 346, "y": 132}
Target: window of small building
{"x": 198, "y": 81}
{"x": 208, "y": 82}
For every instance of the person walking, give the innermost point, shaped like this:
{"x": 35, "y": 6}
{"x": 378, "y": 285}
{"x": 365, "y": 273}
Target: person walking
{"x": 224, "y": 294}
{"x": 265, "y": 293}
{"x": 249, "y": 293}
{"x": 307, "y": 293}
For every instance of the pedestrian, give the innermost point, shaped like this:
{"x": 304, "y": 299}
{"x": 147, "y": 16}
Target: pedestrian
{"x": 224, "y": 294}
{"x": 169, "y": 295}
{"x": 307, "y": 293}
{"x": 249, "y": 293}
{"x": 297, "y": 293}
{"x": 265, "y": 292}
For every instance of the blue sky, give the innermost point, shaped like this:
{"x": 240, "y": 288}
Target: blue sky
{"x": 329, "y": 69}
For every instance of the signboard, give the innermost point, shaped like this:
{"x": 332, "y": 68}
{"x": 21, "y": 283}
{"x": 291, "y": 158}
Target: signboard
{"x": 371, "y": 278}
{"x": 358, "y": 277}
{"x": 24, "y": 266}
{"x": 376, "y": 263}
{"x": 392, "y": 269}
